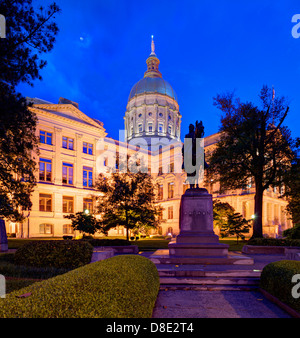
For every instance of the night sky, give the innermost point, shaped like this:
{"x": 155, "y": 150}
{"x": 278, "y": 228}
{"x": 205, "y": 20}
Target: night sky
{"x": 205, "y": 48}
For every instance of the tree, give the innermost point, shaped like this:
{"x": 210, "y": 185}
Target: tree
{"x": 221, "y": 211}
{"x": 29, "y": 33}
{"x": 292, "y": 190}
{"x": 236, "y": 225}
{"x": 85, "y": 222}
{"x": 253, "y": 144}
{"x": 128, "y": 199}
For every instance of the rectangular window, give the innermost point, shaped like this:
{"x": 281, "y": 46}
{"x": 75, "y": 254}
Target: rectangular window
{"x": 45, "y": 173}
{"x": 169, "y": 129}
{"x": 68, "y": 143}
{"x": 87, "y": 177}
{"x": 160, "y": 127}
{"x": 68, "y": 229}
{"x": 45, "y": 137}
{"x": 160, "y": 192}
{"x": 170, "y": 212}
{"x": 88, "y": 204}
{"x": 67, "y": 173}
{"x": 46, "y": 229}
{"x": 171, "y": 167}
{"x": 160, "y": 171}
{"x": 170, "y": 190}
{"x": 87, "y": 148}
{"x": 140, "y": 128}
{"x": 45, "y": 202}
{"x": 150, "y": 129}
{"x": 68, "y": 204}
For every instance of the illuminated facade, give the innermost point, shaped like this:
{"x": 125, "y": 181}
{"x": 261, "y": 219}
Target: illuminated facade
{"x": 74, "y": 149}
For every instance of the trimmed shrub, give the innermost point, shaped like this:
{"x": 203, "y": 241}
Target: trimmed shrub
{"x": 276, "y": 279}
{"x": 107, "y": 242}
{"x": 57, "y": 254}
{"x": 293, "y": 233}
{"x": 274, "y": 242}
{"x": 118, "y": 287}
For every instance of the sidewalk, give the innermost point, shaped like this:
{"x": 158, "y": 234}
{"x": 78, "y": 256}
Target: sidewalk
{"x": 189, "y": 303}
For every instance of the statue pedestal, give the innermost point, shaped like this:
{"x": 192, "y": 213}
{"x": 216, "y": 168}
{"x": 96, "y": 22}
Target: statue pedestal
{"x": 3, "y": 237}
{"x": 197, "y": 237}
{"x": 197, "y": 243}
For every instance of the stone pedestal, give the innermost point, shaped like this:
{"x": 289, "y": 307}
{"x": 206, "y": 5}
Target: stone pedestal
{"x": 197, "y": 243}
{"x": 197, "y": 237}
{"x": 3, "y": 237}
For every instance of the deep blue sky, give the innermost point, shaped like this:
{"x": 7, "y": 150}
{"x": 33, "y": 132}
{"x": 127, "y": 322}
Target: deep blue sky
{"x": 205, "y": 48}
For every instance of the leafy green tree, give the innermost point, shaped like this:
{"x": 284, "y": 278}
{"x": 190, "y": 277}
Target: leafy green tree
{"x": 29, "y": 33}
{"x": 236, "y": 225}
{"x": 221, "y": 210}
{"x": 127, "y": 199}
{"x": 292, "y": 190}
{"x": 85, "y": 222}
{"x": 253, "y": 144}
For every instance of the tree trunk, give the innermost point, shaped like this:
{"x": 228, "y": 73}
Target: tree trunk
{"x": 258, "y": 209}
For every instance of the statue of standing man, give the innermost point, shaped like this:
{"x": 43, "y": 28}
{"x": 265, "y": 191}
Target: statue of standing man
{"x": 193, "y": 154}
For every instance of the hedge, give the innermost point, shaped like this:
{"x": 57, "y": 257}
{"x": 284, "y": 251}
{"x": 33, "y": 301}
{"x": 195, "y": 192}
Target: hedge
{"x": 274, "y": 242}
{"x": 118, "y": 287}
{"x": 276, "y": 279}
{"x": 107, "y": 242}
{"x": 54, "y": 253}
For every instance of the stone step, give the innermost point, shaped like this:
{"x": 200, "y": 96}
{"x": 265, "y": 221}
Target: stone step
{"x": 208, "y": 287}
{"x": 207, "y": 273}
{"x": 209, "y": 280}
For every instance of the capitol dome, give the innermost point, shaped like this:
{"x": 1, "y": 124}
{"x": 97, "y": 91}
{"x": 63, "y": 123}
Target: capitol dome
{"x": 152, "y": 108}
{"x": 152, "y": 85}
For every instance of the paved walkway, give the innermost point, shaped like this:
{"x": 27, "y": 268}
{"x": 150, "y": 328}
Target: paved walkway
{"x": 215, "y": 304}
{"x": 219, "y": 304}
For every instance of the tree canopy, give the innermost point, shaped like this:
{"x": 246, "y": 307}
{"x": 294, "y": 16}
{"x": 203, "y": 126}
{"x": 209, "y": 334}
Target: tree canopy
{"x": 30, "y": 32}
{"x": 254, "y": 144}
{"x": 127, "y": 199}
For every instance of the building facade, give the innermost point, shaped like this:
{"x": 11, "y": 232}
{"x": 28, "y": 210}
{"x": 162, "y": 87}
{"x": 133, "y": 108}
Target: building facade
{"x": 74, "y": 149}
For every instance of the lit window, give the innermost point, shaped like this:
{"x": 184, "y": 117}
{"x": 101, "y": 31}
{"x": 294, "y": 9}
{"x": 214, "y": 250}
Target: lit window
{"x": 88, "y": 204}
{"x": 88, "y": 148}
{"x": 68, "y": 229}
{"x": 67, "y": 173}
{"x": 68, "y": 143}
{"x": 170, "y": 190}
{"x": 170, "y": 212}
{"x": 68, "y": 204}
{"x": 160, "y": 192}
{"x": 45, "y": 137}
{"x": 45, "y": 202}
{"x": 46, "y": 229}
{"x": 87, "y": 177}
{"x": 45, "y": 166}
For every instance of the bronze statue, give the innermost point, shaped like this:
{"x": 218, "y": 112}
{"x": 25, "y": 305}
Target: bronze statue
{"x": 195, "y": 133}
